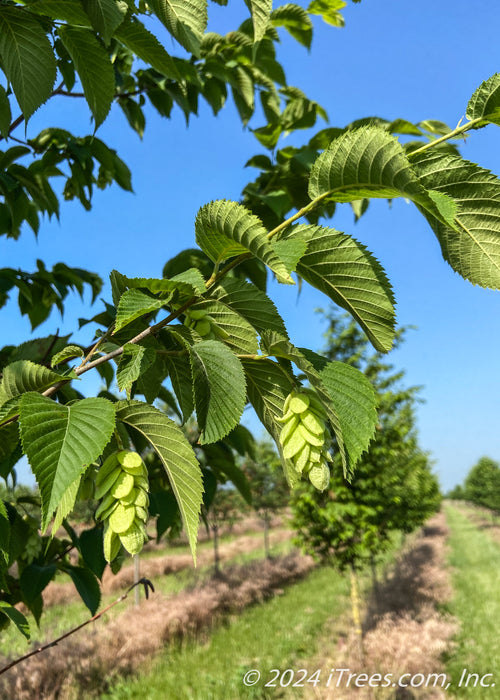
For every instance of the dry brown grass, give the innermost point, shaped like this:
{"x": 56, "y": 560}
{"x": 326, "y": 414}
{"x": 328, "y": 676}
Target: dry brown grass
{"x": 404, "y": 632}
{"x": 84, "y": 665}
{"x": 60, "y": 593}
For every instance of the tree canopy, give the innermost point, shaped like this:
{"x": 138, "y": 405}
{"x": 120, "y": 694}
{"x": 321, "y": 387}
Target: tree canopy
{"x": 205, "y": 338}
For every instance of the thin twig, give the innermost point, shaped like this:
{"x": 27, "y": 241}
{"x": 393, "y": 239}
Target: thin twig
{"x": 144, "y": 581}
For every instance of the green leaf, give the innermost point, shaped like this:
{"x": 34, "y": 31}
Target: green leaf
{"x": 186, "y": 20}
{"x": 23, "y": 376}
{"x": 354, "y": 399}
{"x": 472, "y": 247}
{"x": 194, "y": 278}
{"x": 181, "y": 376}
{"x": 94, "y": 69}
{"x": 70, "y": 351}
{"x": 260, "y": 11}
{"x": 134, "y": 361}
{"x": 485, "y": 102}
{"x": 352, "y": 277}
{"x": 295, "y": 20}
{"x": 4, "y": 536}
{"x": 91, "y": 548}
{"x": 290, "y": 250}
{"x": 33, "y": 581}
{"x": 68, "y": 10}
{"x": 146, "y": 46}
{"x": 17, "y": 618}
{"x": 234, "y": 330}
{"x": 225, "y": 229}
{"x": 66, "y": 503}
{"x": 364, "y": 162}
{"x": 329, "y": 10}
{"x": 105, "y": 16}
{"x": 219, "y": 389}
{"x": 134, "y": 304}
{"x": 61, "y": 441}
{"x": 27, "y": 58}
{"x": 268, "y": 386}
{"x": 251, "y": 303}
{"x": 5, "y": 113}
{"x": 177, "y": 456}
{"x": 87, "y": 586}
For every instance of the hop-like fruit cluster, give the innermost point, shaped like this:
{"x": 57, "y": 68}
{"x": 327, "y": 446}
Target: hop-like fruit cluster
{"x": 304, "y": 436}
{"x": 204, "y": 324}
{"x": 122, "y": 483}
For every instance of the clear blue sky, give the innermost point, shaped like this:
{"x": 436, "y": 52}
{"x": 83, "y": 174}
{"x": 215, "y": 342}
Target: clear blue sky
{"x": 393, "y": 59}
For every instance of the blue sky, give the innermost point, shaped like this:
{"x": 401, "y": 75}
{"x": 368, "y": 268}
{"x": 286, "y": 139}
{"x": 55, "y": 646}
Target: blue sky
{"x": 393, "y": 59}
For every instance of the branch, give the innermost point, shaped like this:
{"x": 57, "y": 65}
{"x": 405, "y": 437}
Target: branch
{"x": 458, "y": 131}
{"x": 144, "y": 581}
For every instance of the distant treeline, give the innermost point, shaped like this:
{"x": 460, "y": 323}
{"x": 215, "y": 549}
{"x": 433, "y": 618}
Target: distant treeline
{"x": 481, "y": 485}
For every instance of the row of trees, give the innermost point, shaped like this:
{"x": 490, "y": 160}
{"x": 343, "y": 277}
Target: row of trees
{"x": 481, "y": 485}
{"x": 205, "y": 338}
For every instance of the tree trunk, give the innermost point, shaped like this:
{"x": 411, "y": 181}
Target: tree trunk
{"x": 356, "y": 614}
{"x": 375, "y": 587}
{"x": 266, "y": 536}
{"x": 215, "y": 530}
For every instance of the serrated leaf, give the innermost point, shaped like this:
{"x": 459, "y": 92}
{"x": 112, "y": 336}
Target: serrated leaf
{"x": 69, "y": 351}
{"x": 295, "y": 20}
{"x": 4, "y": 536}
{"x": 344, "y": 270}
{"x": 68, "y": 10}
{"x": 60, "y": 441}
{"x": 290, "y": 250}
{"x": 91, "y": 548}
{"x": 268, "y": 386}
{"x": 225, "y": 229}
{"x": 193, "y": 277}
{"x": 186, "y": 20}
{"x": 23, "y": 376}
{"x": 354, "y": 399}
{"x": 251, "y": 303}
{"x": 146, "y": 46}
{"x": 134, "y": 361}
{"x": 105, "y": 16}
{"x": 179, "y": 371}
{"x": 66, "y": 504}
{"x": 87, "y": 586}
{"x": 17, "y": 618}
{"x": 94, "y": 69}
{"x": 134, "y": 304}
{"x": 219, "y": 389}
{"x": 329, "y": 10}
{"x": 33, "y": 581}
{"x": 177, "y": 456}
{"x": 237, "y": 333}
{"x": 473, "y": 247}
{"x": 260, "y": 11}
{"x": 5, "y": 113}
{"x": 485, "y": 102}
{"x": 364, "y": 162}
{"x": 27, "y": 58}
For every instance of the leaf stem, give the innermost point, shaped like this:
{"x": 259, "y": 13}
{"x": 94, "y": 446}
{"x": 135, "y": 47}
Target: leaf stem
{"x": 458, "y": 131}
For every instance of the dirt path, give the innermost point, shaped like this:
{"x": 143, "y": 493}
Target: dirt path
{"x": 404, "y": 632}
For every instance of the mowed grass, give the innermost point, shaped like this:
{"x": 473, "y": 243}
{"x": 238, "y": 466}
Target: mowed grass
{"x": 58, "y": 619}
{"x": 475, "y": 561}
{"x": 285, "y": 632}
{"x": 281, "y": 633}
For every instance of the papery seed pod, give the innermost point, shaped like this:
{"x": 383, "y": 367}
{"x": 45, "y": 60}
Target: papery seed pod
{"x": 122, "y": 483}
{"x": 304, "y": 436}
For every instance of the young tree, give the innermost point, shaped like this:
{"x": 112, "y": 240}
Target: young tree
{"x": 207, "y": 327}
{"x": 393, "y": 489}
{"x": 482, "y": 484}
{"x": 226, "y": 508}
{"x": 270, "y": 492}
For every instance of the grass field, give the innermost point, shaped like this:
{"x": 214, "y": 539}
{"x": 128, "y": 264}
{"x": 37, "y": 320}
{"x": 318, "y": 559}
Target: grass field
{"x": 475, "y": 561}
